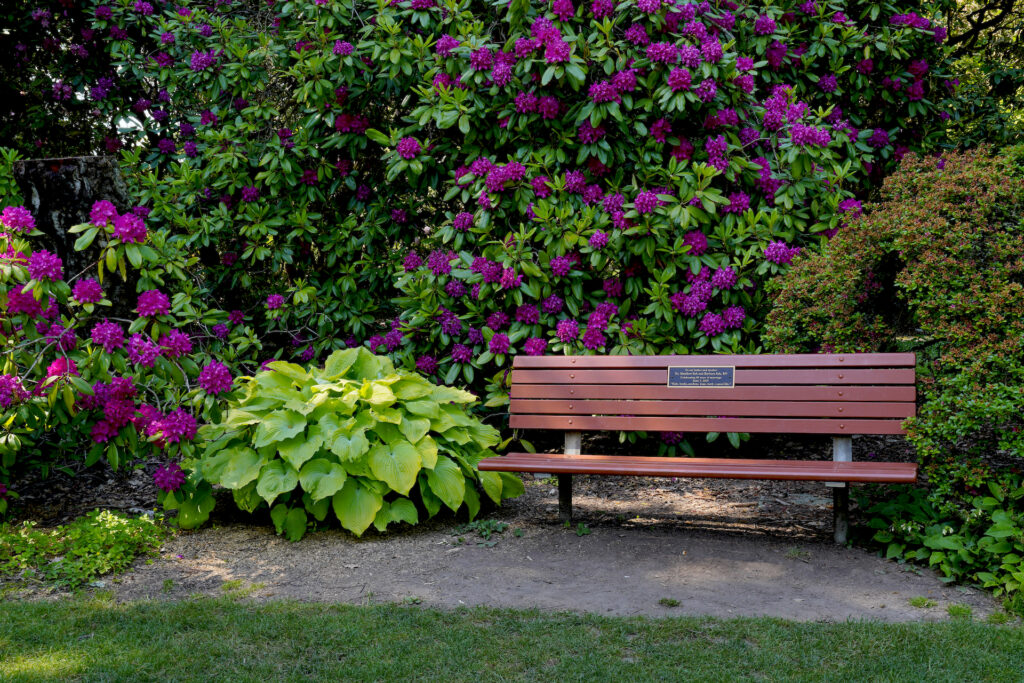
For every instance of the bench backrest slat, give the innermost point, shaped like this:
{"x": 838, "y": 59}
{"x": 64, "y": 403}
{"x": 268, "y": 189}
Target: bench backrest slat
{"x": 808, "y": 394}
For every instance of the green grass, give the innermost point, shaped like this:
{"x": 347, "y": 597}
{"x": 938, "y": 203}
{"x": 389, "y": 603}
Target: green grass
{"x": 90, "y": 638}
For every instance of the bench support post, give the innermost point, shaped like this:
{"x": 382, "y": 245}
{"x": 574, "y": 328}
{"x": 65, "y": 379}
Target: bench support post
{"x": 573, "y": 444}
{"x": 842, "y": 451}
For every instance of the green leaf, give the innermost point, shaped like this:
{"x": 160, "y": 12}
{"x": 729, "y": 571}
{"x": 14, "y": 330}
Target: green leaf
{"x": 356, "y": 506}
{"x": 339, "y": 362}
{"x": 321, "y": 478}
{"x": 414, "y": 428}
{"x": 491, "y": 483}
{"x": 403, "y": 510}
{"x": 295, "y": 524}
{"x": 511, "y": 485}
{"x": 472, "y": 500}
{"x": 447, "y": 482}
{"x": 278, "y": 426}
{"x": 349, "y": 447}
{"x": 86, "y": 238}
{"x": 378, "y": 137}
{"x": 298, "y": 449}
{"x": 238, "y": 466}
{"x": 423, "y": 408}
{"x": 396, "y": 465}
{"x": 428, "y": 452}
{"x": 195, "y": 510}
{"x": 277, "y": 515}
{"x": 318, "y": 509}
{"x": 431, "y": 502}
{"x": 276, "y": 478}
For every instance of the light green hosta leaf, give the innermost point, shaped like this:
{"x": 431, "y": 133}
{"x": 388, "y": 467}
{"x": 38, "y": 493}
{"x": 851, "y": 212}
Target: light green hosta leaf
{"x": 425, "y": 408}
{"x": 444, "y": 395}
{"x": 333, "y": 422}
{"x": 403, "y": 510}
{"x": 485, "y": 435}
{"x": 278, "y": 513}
{"x": 377, "y": 394}
{"x": 348, "y": 447}
{"x": 472, "y": 502}
{"x": 239, "y": 418}
{"x": 295, "y": 524}
{"x": 195, "y": 510}
{"x": 442, "y": 423}
{"x": 339, "y": 362}
{"x": 276, "y": 478}
{"x": 411, "y": 388}
{"x": 511, "y": 485}
{"x": 491, "y": 483}
{"x": 332, "y": 406}
{"x": 246, "y": 497}
{"x": 243, "y": 465}
{"x": 396, "y": 465}
{"x": 414, "y": 428}
{"x": 367, "y": 365}
{"x": 289, "y": 370}
{"x": 298, "y": 449}
{"x": 392, "y": 415}
{"x": 431, "y": 502}
{"x": 318, "y": 509}
{"x": 428, "y": 452}
{"x": 356, "y": 506}
{"x": 388, "y": 433}
{"x": 321, "y": 478}
{"x": 446, "y": 480}
{"x": 278, "y": 426}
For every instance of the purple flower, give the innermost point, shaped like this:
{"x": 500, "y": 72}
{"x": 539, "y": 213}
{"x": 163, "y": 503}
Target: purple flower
{"x": 707, "y": 90}
{"x": 17, "y": 218}
{"x": 645, "y": 202}
{"x": 43, "y": 265}
{"x": 142, "y": 350}
{"x": 87, "y": 291}
{"x": 201, "y": 61}
{"x": 561, "y": 265}
{"x": 177, "y": 426}
{"x": 528, "y": 314}
{"x": 215, "y": 378}
{"x": 733, "y": 317}
{"x": 175, "y": 343}
{"x": 462, "y": 353}
{"x": 169, "y": 478}
{"x": 879, "y": 138}
{"x": 439, "y": 262}
{"x": 567, "y": 331}
{"x": 463, "y": 221}
{"x": 697, "y": 241}
{"x": 828, "y": 83}
{"x": 108, "y": 335}
{"x": 779, "y": 252}
{"x": 679, "y": 79}
{"x": 220, "y": 331}
{"x": 499, "y": 344}
{"x": 598, "y": 240}
{"x": 724, "y": 278}
{"x": 408, "y": 148}
{"x": 153, "y": 302}
{"x": 342, "y": 48}
{"x": 648, "y": 6}
{"x": 712, "y": 324}
{"x": 130, "y": 229}
{"x": 553, "y": 304}
{"x": 445, "y": 45}
{"x": 11, "y": 390}
{"x": 738, "y": 203}
{"x": 764, "y": 25}
{"x": 426, "y": 364}
{"x": 275, "y": 301}
{"x": 593, "y": 338}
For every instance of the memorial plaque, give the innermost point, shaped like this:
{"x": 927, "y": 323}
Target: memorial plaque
{"x": 690, "y": 377}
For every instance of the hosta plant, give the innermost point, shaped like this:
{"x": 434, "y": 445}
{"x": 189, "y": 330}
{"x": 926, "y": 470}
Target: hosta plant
{"x": 357, "y": 437}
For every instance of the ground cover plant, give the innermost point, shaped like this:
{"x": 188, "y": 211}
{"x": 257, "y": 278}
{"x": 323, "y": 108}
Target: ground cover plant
{"x": 96, "y": 639}
{"x": 357, "y": 437}
{"x": 74, "y": 554}
{"x": 937, "y": 266}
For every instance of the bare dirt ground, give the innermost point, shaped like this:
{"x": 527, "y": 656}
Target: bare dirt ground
{"x": 718, "y": 548}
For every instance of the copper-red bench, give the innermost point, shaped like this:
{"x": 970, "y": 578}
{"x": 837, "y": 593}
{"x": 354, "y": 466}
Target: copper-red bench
{"x": 836, "y": 394}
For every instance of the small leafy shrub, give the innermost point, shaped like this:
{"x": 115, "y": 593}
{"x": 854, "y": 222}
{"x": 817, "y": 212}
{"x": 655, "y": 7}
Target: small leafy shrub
{"x": 982, "y": 543}
{"x": 357, "y": 437}
{"x": 921, "y": 602}
{"x": 74, "y": 554}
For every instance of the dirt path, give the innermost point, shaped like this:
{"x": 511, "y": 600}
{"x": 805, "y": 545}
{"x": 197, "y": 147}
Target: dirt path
{"x": 722, "y": 550}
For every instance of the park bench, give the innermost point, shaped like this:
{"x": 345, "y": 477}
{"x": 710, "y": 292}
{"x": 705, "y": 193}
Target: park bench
{"x": 841, "y": 395}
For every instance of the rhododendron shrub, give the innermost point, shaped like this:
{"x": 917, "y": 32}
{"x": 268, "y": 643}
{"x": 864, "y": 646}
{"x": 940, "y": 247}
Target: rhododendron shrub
{"x": 457, "y": 183}
{"x": 77, "y": 382}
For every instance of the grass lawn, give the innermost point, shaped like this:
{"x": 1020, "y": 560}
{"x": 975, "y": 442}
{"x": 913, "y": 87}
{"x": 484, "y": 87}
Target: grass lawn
{"x": 230, "y": 639}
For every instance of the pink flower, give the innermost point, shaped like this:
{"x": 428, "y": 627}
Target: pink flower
{"x": 43, "y": 265}
{"x": 169, "y": 478}
{"x": 153, "y": 302}
{"x": 87, "y": 291}
{"x": 18, "y": 219}
{"x": 408, "y": 148}
{"x": 275, "y": 301}
{"x": 215, "y": 378}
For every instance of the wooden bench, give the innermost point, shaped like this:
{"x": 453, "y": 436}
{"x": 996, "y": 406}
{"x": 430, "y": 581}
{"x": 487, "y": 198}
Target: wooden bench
{"x": 836, "y": 394}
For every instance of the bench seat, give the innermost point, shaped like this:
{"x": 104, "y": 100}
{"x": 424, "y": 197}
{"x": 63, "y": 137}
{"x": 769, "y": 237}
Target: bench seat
{"x": 720, "y": 468}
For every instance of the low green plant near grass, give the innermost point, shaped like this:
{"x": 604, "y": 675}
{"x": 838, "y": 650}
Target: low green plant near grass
{"x": 74, "y": 554}
{"x": 226, "y": 639}
{"x": 922, "y": 602}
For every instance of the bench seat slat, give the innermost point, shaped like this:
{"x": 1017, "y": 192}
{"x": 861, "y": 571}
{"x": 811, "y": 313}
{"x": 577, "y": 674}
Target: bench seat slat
{"x": 888, "y": 393}
{"x": 711, "y": 408}
{"x": 743, "y": 376}
{"x": 720, "y": 468}
{"x": 832, "y": 360}
{"x": 708, "y": 424}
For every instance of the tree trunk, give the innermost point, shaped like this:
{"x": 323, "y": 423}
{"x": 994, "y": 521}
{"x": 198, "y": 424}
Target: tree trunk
{"x": 60, "y": 193}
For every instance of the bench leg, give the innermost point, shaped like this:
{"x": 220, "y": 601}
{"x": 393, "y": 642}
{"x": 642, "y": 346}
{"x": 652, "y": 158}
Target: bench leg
{"x": 564, "y": 497}
{"x": 841, "y": 513}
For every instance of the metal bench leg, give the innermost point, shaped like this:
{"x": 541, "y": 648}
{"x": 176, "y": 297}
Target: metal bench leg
{"x": 573, "y": 444}
{"x": 842, "y": 451}
{"x": 564, "y": 497}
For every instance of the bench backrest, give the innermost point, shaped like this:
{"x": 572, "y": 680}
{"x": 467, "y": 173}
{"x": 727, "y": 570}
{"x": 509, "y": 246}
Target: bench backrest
{"x": 838, "y": 394}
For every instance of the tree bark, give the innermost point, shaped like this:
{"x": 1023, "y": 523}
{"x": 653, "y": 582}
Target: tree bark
{"x": 60, "y": 193}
